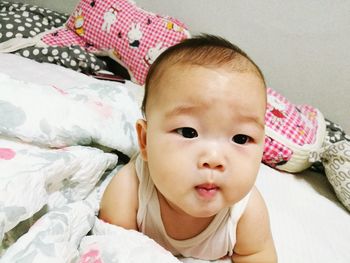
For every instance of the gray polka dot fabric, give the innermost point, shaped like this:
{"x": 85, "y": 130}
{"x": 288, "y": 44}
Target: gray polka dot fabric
{"x": 18, "y": 20}
{"x": 74, "y": 57}
{"x": 23, "y": 20}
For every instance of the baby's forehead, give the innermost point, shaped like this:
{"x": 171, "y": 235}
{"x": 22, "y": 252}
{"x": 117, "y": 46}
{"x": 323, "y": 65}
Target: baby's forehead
{"x": 176, "y": 70}
{"x": 191, "y": 97}
{"x": 182, "y": 82}
{"x": 238, "y": 65}
{"x": 185, "y": 72}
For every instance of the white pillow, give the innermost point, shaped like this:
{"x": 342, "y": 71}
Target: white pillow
{"x": 336, "y": 161}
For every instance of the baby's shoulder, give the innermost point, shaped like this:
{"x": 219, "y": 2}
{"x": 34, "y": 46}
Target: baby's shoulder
{"x": 119, "y": 203}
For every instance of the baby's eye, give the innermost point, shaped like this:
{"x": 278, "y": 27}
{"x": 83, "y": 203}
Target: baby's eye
{"x": 187, "y": 132}
{"x": 241, "y": 139}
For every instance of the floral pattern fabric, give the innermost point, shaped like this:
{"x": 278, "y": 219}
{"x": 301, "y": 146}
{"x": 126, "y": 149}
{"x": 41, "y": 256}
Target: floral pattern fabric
{"x": 51, "y": 160}
{"x": 55, "y": 116}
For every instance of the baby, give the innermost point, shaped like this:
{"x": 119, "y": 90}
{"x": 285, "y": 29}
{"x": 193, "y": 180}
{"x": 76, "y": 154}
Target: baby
{"x": 191, "y": 187}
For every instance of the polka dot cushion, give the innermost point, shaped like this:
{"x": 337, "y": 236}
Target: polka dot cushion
{"x": 19, "y": 20}
{"x": 22, "y": 20}
{"x": 130, "y": 35}
{"x": 74, "y": 57}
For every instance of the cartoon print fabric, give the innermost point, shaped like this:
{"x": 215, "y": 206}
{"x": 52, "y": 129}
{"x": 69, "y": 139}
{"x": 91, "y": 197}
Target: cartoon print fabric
{"x": 116, "y": 28}
{"x": 289, "y": 128}
{"x": 20, "y": 21}
{"x": 129, "y": 34}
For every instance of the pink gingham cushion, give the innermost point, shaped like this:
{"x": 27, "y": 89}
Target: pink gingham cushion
{"x": 64, "y": 37}
{"x": 129, "y": 34}
{"x": 292, "y": 132}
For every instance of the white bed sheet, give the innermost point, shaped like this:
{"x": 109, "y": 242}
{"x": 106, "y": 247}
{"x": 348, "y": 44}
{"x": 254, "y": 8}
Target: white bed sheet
{"x": 308, "y": 222}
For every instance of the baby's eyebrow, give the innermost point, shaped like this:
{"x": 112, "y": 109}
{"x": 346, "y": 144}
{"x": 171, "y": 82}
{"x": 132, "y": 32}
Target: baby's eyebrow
{"x": 255, "y": 120}
{"x": 182, "y": 109}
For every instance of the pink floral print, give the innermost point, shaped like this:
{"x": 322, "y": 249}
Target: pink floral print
{"x": 7, "y": 154}
{"x": 92, "y": 256}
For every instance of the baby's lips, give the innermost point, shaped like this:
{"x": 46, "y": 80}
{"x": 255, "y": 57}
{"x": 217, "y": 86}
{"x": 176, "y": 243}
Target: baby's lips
{"x": 207, "y": 190}
{"x": 207, "y": 186}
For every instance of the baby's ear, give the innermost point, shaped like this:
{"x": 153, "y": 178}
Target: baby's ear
{"x": 141, "y": 129}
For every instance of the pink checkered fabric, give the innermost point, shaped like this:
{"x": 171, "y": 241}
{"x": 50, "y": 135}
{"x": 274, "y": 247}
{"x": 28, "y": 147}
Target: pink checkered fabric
{"x": 298, "y": 124}
{"x": 64, "y": 37}
{"x": 134, "y": 35}
{"x": 275, "y": 153}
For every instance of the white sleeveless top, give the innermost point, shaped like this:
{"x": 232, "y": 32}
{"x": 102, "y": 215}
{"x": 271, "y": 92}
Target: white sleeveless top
{"x": 216, "y": 241}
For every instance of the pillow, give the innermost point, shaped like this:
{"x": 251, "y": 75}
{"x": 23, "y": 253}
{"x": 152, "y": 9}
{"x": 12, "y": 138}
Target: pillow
{"x": 73, "y": 56}
{"x": 335, "y": 158}
{"x": 21, "y": 24}
{"x": 18, "y": 20}
{"x": 292, "y": 133}
{"x": 129, "y": 34}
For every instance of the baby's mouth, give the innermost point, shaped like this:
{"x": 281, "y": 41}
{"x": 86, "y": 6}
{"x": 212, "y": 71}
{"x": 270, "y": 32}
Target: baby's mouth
{"x": 207, "y": 190}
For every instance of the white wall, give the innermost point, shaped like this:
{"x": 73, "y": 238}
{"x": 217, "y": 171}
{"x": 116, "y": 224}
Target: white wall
{"x": 302, "y": 46}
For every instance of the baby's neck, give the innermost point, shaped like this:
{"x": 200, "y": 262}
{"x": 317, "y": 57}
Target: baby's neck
{"x": 181, "y": 226}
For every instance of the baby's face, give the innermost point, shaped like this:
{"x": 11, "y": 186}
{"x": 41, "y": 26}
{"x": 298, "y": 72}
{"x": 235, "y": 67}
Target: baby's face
{"x": 204, "y": 137}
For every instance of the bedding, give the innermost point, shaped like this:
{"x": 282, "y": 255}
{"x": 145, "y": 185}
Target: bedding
{"x": 129, "y": 34}
{"x": 52, "y": 177}
{"x": 78, "y": 115}
{"x": 292, "y": 133}
{"x": 298, "y": 136}
{"x": 24, "y": 30}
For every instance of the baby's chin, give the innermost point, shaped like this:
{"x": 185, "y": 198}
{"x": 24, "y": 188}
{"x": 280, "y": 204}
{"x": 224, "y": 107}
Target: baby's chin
{"x": 204, "y": 213}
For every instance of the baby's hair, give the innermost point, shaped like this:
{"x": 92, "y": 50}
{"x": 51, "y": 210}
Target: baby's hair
{"x": 202, "y": 50}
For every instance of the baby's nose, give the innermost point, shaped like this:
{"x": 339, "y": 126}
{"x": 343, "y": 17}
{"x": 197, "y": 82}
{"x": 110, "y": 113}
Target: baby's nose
{"x": 212, "y": 165}
{"x": 213, "y": 159}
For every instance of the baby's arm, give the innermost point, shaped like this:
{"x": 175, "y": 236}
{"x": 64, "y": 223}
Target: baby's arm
{"x": 120, "y": 200}
{"x": 254, "y": 238}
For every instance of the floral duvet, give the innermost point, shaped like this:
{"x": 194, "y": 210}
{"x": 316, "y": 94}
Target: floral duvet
{"x": 58, "y": 146}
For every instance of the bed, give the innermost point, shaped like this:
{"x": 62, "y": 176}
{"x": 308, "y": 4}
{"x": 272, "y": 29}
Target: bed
{"x": 65, "y": 134}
